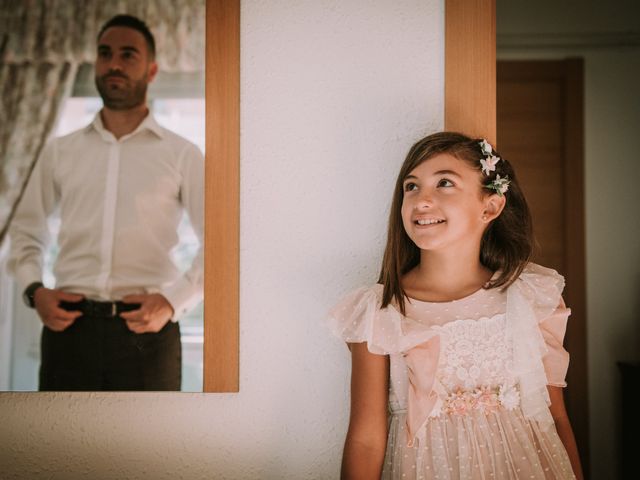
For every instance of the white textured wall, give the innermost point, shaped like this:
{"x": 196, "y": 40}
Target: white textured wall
{"x": 612, "y": 193}
{"x": 333, "y": 94}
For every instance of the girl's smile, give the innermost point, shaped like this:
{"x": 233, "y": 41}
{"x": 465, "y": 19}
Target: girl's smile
{"x": 429, "y": 221}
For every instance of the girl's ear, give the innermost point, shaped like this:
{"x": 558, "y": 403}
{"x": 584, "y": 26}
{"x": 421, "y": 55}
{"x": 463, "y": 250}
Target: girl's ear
{"x": 493, "y": 206}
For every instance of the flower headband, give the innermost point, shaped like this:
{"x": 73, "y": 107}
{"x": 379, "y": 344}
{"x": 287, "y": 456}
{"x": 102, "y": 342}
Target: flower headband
{"x": 499, "y": 185}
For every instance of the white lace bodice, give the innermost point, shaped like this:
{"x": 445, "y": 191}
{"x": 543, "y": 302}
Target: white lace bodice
{"x": 475, "y": 353}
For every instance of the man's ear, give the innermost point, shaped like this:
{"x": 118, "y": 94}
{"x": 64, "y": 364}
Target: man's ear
{"x": 493, "y": 206}
{"x": 153, "y": 71}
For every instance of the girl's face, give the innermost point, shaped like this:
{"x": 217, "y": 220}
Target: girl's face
{"x": 444, "y": 205}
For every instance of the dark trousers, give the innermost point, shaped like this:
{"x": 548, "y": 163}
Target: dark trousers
{"x": 98, "y": 352}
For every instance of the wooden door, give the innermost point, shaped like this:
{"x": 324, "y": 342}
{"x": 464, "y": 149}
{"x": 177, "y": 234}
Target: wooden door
{"x": 540, "y": 131}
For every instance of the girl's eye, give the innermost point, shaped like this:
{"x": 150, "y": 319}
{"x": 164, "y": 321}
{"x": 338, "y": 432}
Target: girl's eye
{"x": 410, "y": 186}
{"x": 445, "y": 183}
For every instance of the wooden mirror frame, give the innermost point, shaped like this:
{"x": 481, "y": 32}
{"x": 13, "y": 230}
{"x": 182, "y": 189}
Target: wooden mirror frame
{"x": 222, "y": 197}
{"x": 470, "y": 106}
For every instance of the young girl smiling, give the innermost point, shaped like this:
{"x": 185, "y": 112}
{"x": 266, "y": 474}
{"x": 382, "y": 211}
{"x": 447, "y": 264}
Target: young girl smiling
{"x": 457, "y": 357}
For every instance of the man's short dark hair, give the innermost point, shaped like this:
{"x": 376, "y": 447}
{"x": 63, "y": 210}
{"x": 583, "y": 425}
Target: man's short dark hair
{"x": 135, "y": 23}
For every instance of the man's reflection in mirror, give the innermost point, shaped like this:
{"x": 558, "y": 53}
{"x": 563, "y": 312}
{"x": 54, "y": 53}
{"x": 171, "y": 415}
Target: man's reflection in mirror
{"x": 121, "y": 185}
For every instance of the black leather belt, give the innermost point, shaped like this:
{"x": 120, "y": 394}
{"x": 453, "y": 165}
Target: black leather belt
{"x": 99, "y": 309}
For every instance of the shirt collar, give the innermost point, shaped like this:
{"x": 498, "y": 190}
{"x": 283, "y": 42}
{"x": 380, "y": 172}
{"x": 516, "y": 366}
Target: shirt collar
{"x": 149, "y": 123}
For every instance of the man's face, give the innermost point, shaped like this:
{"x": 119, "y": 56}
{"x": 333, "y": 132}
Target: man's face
{"x": 123, "y": 68}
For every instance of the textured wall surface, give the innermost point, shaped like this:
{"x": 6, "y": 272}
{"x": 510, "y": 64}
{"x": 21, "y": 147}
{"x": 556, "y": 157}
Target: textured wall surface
{"x": 333, "y": 95}
{"x": 612, "y": 176}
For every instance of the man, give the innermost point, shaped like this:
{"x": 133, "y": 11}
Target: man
{"x": 121, "y": 185}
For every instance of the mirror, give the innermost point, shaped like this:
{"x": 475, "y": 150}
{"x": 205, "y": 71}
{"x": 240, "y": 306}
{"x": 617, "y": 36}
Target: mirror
{"x": 175, "y": 98}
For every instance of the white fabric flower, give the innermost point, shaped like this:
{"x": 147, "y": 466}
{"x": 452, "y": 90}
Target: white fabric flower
{"x": 486, "y": 147}
{"x": 502, "y": 184}
{"x": 499, "y": 185}
{"x": 509, "y": 397}
{"x": 489, "y": 164}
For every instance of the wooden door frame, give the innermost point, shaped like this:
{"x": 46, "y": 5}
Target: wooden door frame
{"x": 570, "y": 74}
{"x": 470, "y": 68}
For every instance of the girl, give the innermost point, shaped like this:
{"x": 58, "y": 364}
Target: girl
{"x": 457, "y": 358}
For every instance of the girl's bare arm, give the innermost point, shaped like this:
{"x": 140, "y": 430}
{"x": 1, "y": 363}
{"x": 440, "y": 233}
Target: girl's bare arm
{"x": 563, "y": 426}
{"x": 366, "y": 440}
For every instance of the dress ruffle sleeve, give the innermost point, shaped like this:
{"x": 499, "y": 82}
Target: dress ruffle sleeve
{"x": 532, "y": 301}
{"x": 357, "y": 318}
{"x": 556, "y": 360}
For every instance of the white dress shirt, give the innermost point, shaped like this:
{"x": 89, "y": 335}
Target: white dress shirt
{"x": 120, "y": 202}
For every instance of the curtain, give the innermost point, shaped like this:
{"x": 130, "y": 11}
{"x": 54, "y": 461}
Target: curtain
{"x": 42, "y": 44}
{"x": 31, "y": 97}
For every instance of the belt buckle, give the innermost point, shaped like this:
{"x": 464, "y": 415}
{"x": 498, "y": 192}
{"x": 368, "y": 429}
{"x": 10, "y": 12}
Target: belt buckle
{"x": 114, "y": 309}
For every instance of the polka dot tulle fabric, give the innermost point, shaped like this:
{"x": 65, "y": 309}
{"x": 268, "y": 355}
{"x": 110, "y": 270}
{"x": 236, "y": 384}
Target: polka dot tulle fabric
{"x": 456, "y": 396}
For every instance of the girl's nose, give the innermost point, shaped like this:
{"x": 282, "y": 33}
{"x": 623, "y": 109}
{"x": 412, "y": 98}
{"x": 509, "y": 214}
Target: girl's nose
{"x": 424, "y": 202}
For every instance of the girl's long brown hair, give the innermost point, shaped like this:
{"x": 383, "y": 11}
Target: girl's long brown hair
{"x": 506, "y": 243}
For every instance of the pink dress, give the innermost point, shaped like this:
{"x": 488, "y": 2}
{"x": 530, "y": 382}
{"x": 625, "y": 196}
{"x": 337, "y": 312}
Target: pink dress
{"x": 467, "y": 395}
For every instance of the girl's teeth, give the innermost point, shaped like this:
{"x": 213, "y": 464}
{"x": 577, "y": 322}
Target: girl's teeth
{"x": 428, "y": 222}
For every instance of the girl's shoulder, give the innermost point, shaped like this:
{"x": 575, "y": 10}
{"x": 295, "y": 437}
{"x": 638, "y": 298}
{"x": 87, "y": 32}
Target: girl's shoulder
{"x": 541, "y": 287}
{"x": 538, "y": 276}
{"x": 358, "y": 318}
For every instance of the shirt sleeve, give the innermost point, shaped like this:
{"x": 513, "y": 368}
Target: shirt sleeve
{"x": 29, "y": 232}
{"x": 556, "y": 360}
{"x": 187, "y": 291}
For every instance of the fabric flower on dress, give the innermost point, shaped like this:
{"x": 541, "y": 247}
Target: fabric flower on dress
{"x": 509, "y": 397}
{"x": 459, "y": 403}
{"x": 487, "y": 400}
